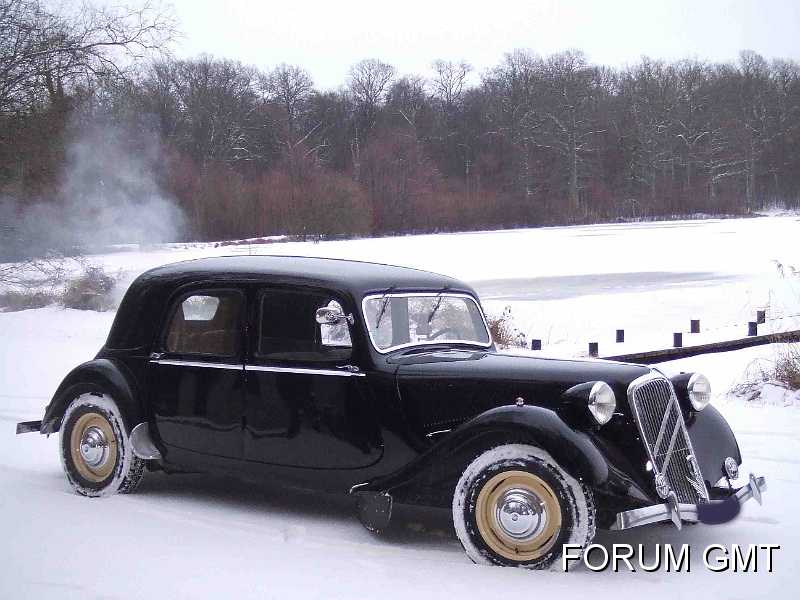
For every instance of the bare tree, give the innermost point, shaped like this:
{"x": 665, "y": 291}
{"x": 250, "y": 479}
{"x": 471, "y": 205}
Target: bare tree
{"x": 743, "y": 124}
{"x": 44, "y": 52}
{"x": 512, "y": 89}
{"x": 218, "y": 110}
{"x": 691, "y": 120}
{"x": 649, "y": 92}
{"x": 572, "y": 87}
{"x": 449, "y": 81}
{"x": 289, "y": 87}
{"x": 368, "y": 81}
{"x": 407, "y": 97}
{"x": 785, "y": 77}
{"x": 756, "y": 108}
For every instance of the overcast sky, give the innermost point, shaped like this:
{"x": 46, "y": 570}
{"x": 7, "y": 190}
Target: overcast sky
{"x": 327, "y": 37}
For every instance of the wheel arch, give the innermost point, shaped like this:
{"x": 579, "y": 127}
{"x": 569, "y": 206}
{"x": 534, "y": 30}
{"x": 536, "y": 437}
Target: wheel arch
{"x": 99, "y": 376}
{"x": 431, "y": 478}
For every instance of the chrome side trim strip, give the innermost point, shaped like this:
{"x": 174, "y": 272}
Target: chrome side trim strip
{"x": 191, "y": 363}
{"x": 356, "y": 486}
{"x": 333, "y": 372}
{"x": 440, "y": 431}
{"x": 209, "y": 365}
{"x": 685, "y": 512}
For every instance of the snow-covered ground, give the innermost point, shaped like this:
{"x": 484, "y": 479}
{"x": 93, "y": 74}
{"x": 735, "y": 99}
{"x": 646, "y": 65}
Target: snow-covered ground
{"x": 194, "y": 536}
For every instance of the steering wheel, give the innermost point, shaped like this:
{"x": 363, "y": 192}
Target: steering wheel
{"x": 442, "y": 331}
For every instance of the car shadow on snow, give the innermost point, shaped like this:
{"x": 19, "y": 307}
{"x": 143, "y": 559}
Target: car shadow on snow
{"x": 232, "y": 498}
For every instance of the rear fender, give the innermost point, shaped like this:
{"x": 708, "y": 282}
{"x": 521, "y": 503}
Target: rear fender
{"x": 431, "y": 477}
{"x": 99, "y": 376}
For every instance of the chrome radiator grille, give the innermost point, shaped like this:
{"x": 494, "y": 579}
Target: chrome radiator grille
{"x": 663, "y": 431}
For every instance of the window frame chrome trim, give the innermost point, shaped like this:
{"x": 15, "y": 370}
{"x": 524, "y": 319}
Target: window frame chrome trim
{"x": 429, "y": 342}
{"x": 304, "y": 371}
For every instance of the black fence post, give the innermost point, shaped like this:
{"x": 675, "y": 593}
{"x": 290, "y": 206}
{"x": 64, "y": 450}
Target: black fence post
{"x": 620, "y": 336}
{"x": 695, "y": 326}
{"x": 752, "y": 328}
{"x": 761, "y": 316}
{"x": 594, "y": 349}
{"x": 677, "y": 340}
{"x": 536, "y": 344}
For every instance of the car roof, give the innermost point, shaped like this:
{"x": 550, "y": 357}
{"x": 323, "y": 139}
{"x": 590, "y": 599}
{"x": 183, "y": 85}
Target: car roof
{"x": 144, "y": 301}
{"x": 354, "y": 275}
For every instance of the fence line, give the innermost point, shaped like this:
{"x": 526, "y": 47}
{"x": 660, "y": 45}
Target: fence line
{"x": 656, "y": 356}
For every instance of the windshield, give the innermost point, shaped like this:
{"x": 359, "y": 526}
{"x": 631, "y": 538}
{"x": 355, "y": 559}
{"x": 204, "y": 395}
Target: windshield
{"x": 401, "y": 320}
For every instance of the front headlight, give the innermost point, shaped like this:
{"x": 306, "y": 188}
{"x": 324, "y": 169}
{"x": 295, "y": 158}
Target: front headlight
{"x": 699, "y": 390}
{"x": 602, "y": 402}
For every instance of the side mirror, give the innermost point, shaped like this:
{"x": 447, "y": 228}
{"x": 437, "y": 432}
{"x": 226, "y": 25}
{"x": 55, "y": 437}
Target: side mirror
{"x": 332, "y": 316}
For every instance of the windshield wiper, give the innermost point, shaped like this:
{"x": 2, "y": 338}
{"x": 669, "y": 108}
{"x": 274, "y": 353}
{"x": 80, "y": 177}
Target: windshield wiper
{"x": 385, "y": 302}
{"x": 437, "y": 305}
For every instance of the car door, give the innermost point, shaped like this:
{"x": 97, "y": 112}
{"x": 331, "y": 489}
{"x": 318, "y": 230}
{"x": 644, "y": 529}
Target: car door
{"x": 197, "y": 374}
{"x": 306, "y": 404}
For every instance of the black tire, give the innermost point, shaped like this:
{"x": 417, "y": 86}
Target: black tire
{"x": 567, "y": 508}
{"x": 108, "y": 466}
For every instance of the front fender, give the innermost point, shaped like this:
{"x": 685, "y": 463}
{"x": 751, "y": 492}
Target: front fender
{"x": 713, "y": 441}
{"x": 98, "y": 376}
{"x": 431, "y": 477}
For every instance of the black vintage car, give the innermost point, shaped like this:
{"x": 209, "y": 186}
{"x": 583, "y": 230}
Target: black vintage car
{"x": 384, "y": 382}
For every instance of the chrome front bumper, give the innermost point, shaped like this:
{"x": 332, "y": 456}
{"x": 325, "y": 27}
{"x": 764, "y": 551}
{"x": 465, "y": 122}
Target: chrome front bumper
{"x": 679, "y": 513}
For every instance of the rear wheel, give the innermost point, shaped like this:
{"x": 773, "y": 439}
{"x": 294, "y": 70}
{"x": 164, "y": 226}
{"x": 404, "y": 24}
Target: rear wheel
{"x": 515, "y": 506}
{"x": 95, "y": 448}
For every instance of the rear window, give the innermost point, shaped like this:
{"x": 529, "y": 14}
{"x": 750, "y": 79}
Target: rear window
{"x": 206, "y": 323}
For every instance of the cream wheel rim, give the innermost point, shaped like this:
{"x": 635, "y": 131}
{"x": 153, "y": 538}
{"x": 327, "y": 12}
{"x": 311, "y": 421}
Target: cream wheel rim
{"x": 518, "y": 515}
{"x": 93, "y": 447}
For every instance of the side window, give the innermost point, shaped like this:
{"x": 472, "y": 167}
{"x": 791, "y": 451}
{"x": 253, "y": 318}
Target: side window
{"x": 289, "y": 330}
{"x": 205, "y": 323}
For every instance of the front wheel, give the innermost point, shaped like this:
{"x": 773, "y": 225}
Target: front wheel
{"x": 515, "y": 506}
{"x": 95, "y": 448}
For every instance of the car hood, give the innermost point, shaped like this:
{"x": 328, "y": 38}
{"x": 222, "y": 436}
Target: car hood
{"x": 443, "y": 388}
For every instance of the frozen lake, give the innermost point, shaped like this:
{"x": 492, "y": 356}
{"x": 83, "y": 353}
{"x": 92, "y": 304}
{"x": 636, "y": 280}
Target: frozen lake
{"x": 593, "y": 284}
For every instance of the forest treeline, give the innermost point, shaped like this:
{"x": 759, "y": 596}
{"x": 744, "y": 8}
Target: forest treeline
{"x": 533, "y": 140}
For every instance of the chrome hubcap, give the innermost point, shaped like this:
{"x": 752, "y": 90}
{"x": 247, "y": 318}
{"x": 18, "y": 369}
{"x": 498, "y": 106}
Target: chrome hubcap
{"x": 520, "y": 514}
{"x": 94, "y": 447}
